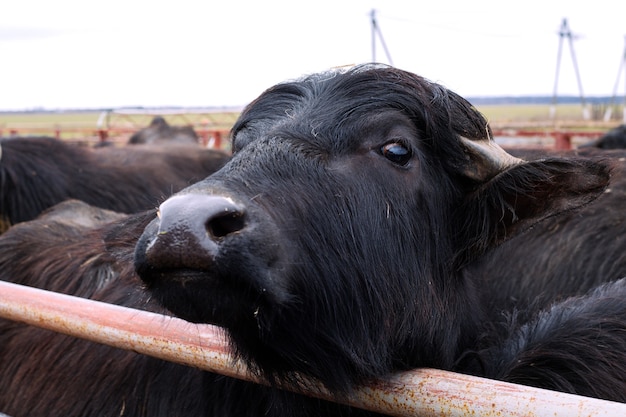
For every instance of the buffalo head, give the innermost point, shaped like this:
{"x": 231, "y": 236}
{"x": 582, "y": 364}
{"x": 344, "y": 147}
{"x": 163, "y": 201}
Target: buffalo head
{"x": 331, "y": 243}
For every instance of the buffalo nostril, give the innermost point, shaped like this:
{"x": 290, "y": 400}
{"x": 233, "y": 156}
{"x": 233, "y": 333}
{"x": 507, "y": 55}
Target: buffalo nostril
{"x": 224, "y": 224}
{"x": 189, "y": 231}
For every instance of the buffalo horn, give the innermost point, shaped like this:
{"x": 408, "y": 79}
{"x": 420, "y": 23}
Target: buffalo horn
{"x": 487, "y": 159}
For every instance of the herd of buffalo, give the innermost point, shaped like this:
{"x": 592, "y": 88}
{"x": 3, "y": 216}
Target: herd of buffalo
{"x": 364, "y": 223}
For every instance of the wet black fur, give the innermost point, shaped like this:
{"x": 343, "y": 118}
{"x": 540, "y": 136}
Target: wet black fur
{"x": 576, "y": 346}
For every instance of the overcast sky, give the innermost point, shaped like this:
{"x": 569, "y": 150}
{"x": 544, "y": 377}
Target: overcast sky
{"x": 115, "y": 53}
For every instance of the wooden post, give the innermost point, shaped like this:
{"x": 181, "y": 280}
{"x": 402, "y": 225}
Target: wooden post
{"x": 217, "y": 135}
{"x": 562, "y": 141}
{"x": 103, "y": 134}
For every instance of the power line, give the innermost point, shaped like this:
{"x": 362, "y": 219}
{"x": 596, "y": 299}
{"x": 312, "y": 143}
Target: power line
{"x": 376, "y": 32}
{"x": 609, "y": 109}
{"x": 566, "y": 33}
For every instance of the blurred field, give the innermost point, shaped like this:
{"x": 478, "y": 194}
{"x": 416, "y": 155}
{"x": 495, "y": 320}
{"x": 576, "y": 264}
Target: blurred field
{"x": 538, "y": 115}
{"x": 85, "y": 125}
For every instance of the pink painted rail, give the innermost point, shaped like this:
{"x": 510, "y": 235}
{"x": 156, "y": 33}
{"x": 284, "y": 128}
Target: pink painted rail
{"x": 423, "y": 392}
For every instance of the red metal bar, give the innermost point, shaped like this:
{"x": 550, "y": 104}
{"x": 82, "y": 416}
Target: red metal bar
{"x": 423, "y": 392}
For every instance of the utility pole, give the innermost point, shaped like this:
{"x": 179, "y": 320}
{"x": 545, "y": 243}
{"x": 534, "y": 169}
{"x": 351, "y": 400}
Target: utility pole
{"x": 376, "y": 32}
{"x": 609, "y": 110}
{"x": 565, "y": 32}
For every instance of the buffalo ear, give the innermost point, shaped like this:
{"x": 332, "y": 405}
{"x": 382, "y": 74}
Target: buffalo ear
{"x": 522, "y": 195}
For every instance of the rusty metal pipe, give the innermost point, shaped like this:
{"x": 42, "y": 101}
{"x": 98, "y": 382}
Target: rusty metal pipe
{"x": 422, "y": 392}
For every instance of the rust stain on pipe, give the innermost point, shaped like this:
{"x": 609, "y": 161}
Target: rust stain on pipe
{"x": 422, "y": 392}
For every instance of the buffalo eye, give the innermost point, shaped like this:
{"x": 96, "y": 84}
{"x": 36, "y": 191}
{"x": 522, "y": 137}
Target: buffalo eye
{"x": 396, "y": 152}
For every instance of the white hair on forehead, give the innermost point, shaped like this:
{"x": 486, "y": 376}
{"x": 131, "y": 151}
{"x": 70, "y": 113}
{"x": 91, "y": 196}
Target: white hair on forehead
{"x": 332, "y": 72}
{"x": 328, "y": 74}
{"x": 342, "y": 69}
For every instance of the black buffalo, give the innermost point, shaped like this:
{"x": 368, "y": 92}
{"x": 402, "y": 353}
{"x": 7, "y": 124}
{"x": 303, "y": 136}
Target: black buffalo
{"x": 613, "y": 139}
{"x": 159, "y": 132}
{"x": 332, "y": 245}
{"x": 37, "y": 173}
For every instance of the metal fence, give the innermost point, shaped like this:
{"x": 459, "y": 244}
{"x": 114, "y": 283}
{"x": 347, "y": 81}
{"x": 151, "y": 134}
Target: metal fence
{"x": 422, "y": 392}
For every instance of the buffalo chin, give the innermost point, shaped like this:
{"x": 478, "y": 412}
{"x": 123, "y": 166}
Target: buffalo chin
{"x": 199, "y": 297}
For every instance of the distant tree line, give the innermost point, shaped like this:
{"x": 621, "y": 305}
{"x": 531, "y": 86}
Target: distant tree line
{"x": 539, "y": 100}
